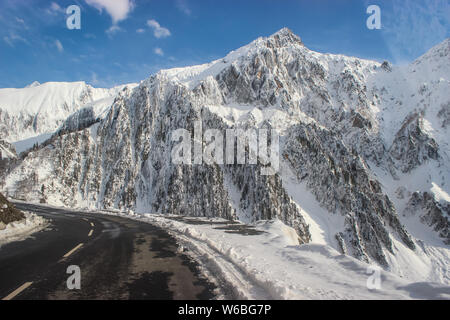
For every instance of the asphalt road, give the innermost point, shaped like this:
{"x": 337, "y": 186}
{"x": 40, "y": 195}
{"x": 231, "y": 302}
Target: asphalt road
{"x": 118, "y": 258}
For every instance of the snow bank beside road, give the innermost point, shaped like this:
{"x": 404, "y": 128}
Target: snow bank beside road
{"x": 265, "y": 261}
{"x": 274, "y": 266}
{"x": 20, "y": 230}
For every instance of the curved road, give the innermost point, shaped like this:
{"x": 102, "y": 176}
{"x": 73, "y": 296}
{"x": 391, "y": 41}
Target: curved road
{"x": 118, "y": 258}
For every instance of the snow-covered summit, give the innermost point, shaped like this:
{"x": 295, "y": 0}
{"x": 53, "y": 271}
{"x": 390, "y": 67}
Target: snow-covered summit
{"x": 364, "y": 151}
{"x": 33, "y": 84}
{"x": 192, "y": 75}
{"x": 41, "y": 108}
{"x": 50, "y": 97}
{"x": 438, "y": 52}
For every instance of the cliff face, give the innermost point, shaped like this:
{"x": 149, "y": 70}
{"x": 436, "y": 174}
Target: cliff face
{"x": 340, "y": 136}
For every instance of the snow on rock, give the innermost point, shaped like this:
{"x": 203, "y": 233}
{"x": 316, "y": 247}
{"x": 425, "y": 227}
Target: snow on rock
{"x": 358, "y": 139}
{"x": 276, "y": 267}
{"x": 40, "y": 108}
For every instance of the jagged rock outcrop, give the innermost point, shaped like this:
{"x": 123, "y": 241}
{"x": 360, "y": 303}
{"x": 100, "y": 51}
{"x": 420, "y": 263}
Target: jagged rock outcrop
{"x": 335, "y": 116}
{"x": 412, "y": 146}
{"x": 341, "y": 182}
{"x": 431, "y": 212}
{"x": 444, "y": 114}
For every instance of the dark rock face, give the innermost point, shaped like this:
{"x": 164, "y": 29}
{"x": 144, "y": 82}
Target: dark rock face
{"x": 386, "y": 66}
{"x": 81, "y": 119}
{"x": 431, "y": 213}
{"x": 411, "y": 146}
{"x": 340, "y": 180}
{"x": 444, "y": 114}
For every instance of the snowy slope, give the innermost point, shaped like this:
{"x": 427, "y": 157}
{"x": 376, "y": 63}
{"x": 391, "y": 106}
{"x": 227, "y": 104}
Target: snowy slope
{"x": 364, "y": 151}
{"x": 272, "y": 265}
{"x": 30, "y": 114}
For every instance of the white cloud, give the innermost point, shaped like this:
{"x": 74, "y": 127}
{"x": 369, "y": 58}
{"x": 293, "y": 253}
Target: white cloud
{"x": 158, "y": 31}
{"x": 113, "y": 30}
{"x": 117, "y": 9}
{"x": 14, "y": 38}
{"x": 183, "y": 7}
{"x": 59, "y": 46}
{"x": 21, "y": 24}
{"x": 21, "y": 21}
{"x": 8, "y": 41}
{"x": 140, "y": 31}
{"x": 159, "y": 52}
{"x": 55, "y": 8}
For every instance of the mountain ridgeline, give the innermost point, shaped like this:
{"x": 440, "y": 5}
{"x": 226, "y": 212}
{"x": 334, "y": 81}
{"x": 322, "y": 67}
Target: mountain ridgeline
{"x": 355, "y": 132}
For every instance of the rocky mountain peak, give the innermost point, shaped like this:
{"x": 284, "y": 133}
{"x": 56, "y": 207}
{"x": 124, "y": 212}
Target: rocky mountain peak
{"x": 284, "y": 37}
{"x": 336, "y": 154}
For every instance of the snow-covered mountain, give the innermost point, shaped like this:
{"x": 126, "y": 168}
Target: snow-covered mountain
{"x": 7, "y": 150}
{"x": 364, "y": 150}
{"x": 31, "y": 114}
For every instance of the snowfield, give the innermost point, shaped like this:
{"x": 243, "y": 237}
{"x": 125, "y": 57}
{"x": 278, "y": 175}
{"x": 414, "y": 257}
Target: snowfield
{"x": 20, "y": 230}
{"x": 265, "y": 261}
{"x": 31, "y": 115}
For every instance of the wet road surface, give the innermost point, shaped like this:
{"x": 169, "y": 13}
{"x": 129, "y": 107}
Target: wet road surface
{"x": 118, "y": 258}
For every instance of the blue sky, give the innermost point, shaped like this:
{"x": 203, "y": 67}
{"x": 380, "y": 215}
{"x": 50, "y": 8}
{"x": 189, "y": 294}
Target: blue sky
{"x": 123, "y": 41}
